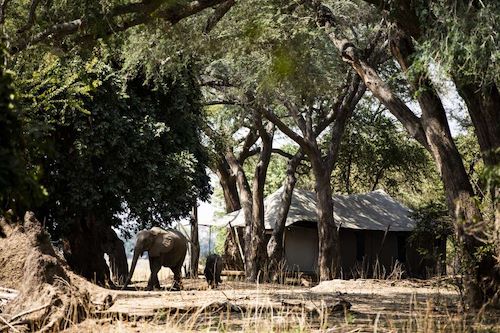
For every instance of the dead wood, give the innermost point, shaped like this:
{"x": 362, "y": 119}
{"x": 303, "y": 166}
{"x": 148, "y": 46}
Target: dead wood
{"x": 50, "y": 296}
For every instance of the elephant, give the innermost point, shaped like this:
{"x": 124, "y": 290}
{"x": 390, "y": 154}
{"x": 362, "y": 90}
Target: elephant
{"x": 213, "y": 269}
{"x": 165, "y": 248}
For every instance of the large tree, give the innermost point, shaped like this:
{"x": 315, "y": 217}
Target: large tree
{"x": 257, "y": 141}
{"x": 431, "y": 129}
{"x": 286, "y": 63}
{"x": 105, "y": 146}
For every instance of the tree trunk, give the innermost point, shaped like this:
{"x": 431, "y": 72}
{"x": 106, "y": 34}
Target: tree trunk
{"x": 258, "y": 243}
{"x": 228, "y": 184}
{"x": 252, "y": 201}
{"x": 195, "y": 243}
{"x": 484, "y": 110}
{"x": 275, "y": 246}
{"x": 246, "y": 206}
{"x": 83, "y": 250}
{"x": 234, "y": 259}
{"x": 459, "y": 191}
{"x": 329, "y": 247}
{"x": 113, "y": 246}
{"x": 497, "y": 234}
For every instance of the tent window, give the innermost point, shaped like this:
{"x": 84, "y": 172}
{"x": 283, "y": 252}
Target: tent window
{"x": 360, "y": 246}
{"x": 402, "y": 248}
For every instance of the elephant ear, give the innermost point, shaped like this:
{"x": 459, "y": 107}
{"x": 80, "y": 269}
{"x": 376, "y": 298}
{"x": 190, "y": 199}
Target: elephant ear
{"x": 163, "y": 243}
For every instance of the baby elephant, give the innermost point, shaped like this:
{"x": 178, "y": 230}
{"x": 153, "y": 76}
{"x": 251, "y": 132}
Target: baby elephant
{"x": 213, "y": 269}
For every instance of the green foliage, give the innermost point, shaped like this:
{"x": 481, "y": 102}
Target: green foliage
{"x": 433, "y": 225}
{"x": 433, "y": 219}
{"x": 377, "y": 153}
{"x": 462, "y": 36}
{"x": 276, "y": 171}
{"x": 106, "y": 146}
{"x": 220, "y": 240}
{"x": 18, "y": 189}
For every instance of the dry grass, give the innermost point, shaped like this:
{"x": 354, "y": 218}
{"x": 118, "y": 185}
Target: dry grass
{"x": 142, "y": 272}
{"x": 377, "y": 306}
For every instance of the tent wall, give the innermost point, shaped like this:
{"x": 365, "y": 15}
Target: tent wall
{"x": 359, "y": 252}
{"x": 396, "y": 247}
{"x": 301, "y": 249}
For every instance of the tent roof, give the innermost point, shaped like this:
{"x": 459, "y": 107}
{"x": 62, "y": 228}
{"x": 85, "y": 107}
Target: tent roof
{"x": 369, "y": 211}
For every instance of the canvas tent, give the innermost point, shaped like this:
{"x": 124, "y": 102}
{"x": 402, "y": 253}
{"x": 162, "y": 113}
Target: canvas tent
{"x": 373, "y": 228}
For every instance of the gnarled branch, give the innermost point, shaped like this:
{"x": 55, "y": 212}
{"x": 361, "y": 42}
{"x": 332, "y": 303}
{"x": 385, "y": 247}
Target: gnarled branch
{"x": 218, "y": 14}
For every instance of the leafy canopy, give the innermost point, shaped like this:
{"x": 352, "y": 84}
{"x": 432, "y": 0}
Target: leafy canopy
{"x": 108, "y": 146}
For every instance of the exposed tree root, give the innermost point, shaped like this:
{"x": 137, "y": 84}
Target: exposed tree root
{"x": 51, "y": 297}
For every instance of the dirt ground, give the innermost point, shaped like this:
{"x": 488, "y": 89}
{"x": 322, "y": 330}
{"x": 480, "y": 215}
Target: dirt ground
{"x": 332, "y": 306}
{"x": 39, "y": 292}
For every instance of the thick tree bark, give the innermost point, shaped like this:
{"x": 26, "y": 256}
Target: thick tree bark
{"x": 228, "y": 183}
{"x": 459, "y": 191}
{"x": 246, "y": 206}
{"x": 83, "y": 250}
{"x": 329, "y": 247}
{"x": 252, "y": 201}
{"x": 483, "y": 105}
{"x": 275, "y": 246}
{"x": 113, "y": 246}
{"x": 256, "y": 248}
{"x": 195, "y": 243}
{"x": 232, "y": 257}
{"x": 258, "y": 244}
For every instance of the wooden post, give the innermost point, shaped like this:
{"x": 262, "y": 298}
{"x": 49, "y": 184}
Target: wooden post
{"x": 195, "y": 243}
{"x": 383, "y": 240}
{"x": 237, "y": 240}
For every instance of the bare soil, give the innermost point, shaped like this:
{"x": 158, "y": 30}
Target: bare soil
{"x": 333, "y": 306}
{"x": 39, "y": 293}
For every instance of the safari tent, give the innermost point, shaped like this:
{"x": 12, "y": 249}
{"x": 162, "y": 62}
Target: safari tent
{"x": 374, "y": 230}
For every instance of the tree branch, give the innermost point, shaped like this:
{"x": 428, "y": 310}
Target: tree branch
{"x": 294, "y": 111}
{"x": 136, "y": 7}
{"x": 214, "y": 83}
{"x": 60, "y": 29}
{"x": 218, "y": 14}
{"x": 331, "y": 116}
{"x": 345, "y": 111}
{"x": 282, "y": 153}
{"x": 146, "y": 11}
{"x": 222, "y": 102}
{"x": 250, "y": 140}
{"x": 372, "y": 80}
{"x": 176, "y": 13}
{"x": 272, "y": 117}
{"x": 3, "y": 10}
{"x": 31, "y": 16}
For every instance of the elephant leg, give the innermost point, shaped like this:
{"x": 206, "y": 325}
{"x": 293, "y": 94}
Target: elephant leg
{"x": 155, "y": 266}
{"x": 177, "y": 285}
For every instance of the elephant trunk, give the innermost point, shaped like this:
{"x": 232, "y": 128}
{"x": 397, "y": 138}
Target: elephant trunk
{"x": 137, "y": 254}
